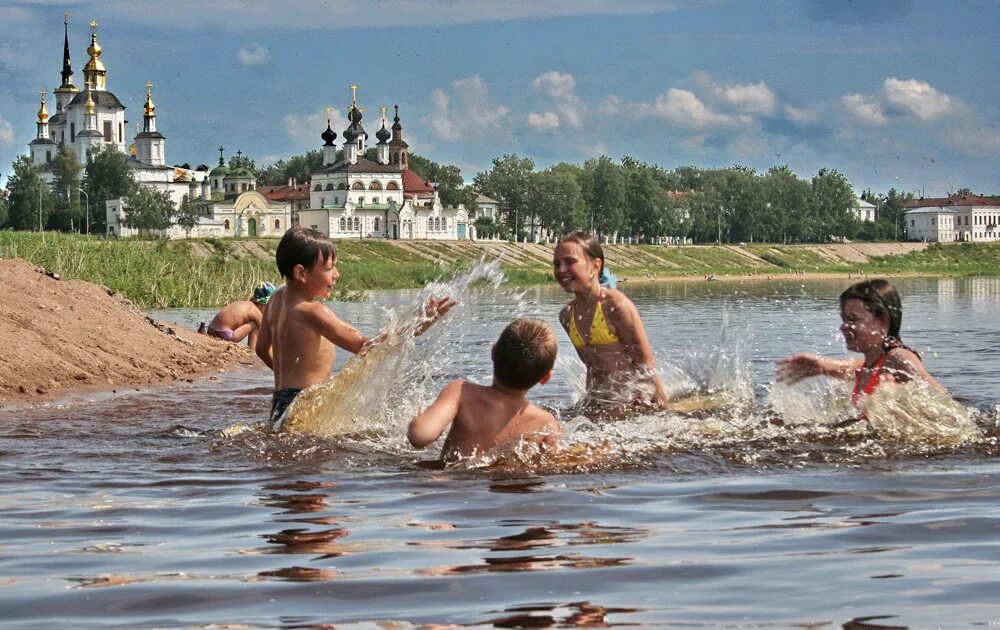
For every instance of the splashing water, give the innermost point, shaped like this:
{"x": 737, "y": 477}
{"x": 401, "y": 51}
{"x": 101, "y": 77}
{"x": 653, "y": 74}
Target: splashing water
{"x": 374, "y": 392}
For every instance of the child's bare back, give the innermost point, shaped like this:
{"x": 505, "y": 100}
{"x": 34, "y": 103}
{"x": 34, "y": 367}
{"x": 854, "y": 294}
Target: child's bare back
{"x": 489, "y": 416}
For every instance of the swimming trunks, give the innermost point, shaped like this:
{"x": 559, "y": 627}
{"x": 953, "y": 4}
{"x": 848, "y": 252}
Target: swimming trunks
{"x": 600, "y": 334}
{"x": 873, "y": 379}
{"x": 221, "y": 333}
{"x": 280, "y": 400}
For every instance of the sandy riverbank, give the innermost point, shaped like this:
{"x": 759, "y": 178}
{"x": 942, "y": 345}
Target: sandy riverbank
{"x": 59, "y": 336}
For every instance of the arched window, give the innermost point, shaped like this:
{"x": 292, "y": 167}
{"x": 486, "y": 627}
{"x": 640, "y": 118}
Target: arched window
{"x": 225, "y": 224}
{"x": 329, "y": 186}
{"x": 392, "y": 186}
{"x": 277, "y": 224}
{"x": 376, "y": 224}
{"x": 343, "y": 228}
{"x": 318, "y": 187}
{"x": 357, "y": 186}
{"x": 341, "y": 186}
{"x": 374, "y": 186}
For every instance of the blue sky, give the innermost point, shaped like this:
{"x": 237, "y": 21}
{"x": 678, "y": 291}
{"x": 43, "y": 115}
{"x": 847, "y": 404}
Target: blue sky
{"x": 892, "y": 93}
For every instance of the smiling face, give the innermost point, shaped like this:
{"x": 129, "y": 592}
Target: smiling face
{"x": 572, "y": 268}
{"x": 318, "y": 280}
{"x": 862, "y": 330}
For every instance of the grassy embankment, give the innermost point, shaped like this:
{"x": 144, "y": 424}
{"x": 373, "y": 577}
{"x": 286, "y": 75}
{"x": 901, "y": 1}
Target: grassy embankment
{"x": 211, "y": 272}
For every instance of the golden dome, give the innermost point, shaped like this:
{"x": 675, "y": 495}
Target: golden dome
{"x": 131, "y": 149}
{"x": 89, "y": 109}
{"x": 43, "y": 112}
{"x": 150, "y": 106}
{"x": 95, "y": 70}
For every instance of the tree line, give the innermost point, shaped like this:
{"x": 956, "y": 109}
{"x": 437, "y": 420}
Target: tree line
{"x": 618, "y": 199}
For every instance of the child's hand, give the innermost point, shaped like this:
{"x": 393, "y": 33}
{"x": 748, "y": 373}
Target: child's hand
{"x": 797, "y": 367}
{"x": 435, "y": 309}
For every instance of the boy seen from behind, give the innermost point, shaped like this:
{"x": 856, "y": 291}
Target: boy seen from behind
{"x": 483, "y": 417}
{"x": 298, "y": 336}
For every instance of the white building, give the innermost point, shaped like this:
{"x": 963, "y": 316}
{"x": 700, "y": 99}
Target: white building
{"x": 95, "y": 117}
{"x": 356, "y": 197}
{"x": 863, "y": 210}
{"x": 968, "y": 218}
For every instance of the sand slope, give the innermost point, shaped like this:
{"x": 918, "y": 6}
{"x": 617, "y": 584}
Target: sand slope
{"x": 61, "y": 335}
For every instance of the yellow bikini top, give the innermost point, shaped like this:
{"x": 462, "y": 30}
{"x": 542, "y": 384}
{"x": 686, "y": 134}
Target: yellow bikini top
{"x": 600, "y": 334}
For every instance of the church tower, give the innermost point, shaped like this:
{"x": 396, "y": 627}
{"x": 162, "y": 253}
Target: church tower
{"x": 66, "y": 91}
{"x": 328, "y": 136}
{"x": 90, "y": 137}
{"x": 399, "y": 153}
{"x": 42, "y": 147}
{"x": 382, "y": 150}
{"x": 355, "y": 135}
{"x": 150, "y": 145}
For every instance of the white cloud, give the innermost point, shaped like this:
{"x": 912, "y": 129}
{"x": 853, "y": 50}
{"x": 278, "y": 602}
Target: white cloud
{"x": 543, "y": 122}
{"x": 801, "y": 116}
{"x": 562, "y": 89}
{"x": 255, "y": 55}
{"x": 917, "y": 97}
{"x": 683, "y": 108}
{"x": 863, "y": 108}
{"x": 754, "y": 99}
{"x": 6, "y": 133}
{"x": 470, "y": 115}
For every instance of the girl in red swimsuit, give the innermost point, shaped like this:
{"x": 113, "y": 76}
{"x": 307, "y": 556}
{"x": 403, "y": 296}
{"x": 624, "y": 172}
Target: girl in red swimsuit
{"x": 871, "y": 314}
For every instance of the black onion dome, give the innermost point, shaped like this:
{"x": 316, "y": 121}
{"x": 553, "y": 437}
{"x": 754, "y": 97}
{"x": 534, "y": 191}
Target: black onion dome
{"x": 328, "y": 136}
{"x": 383, "y": 134}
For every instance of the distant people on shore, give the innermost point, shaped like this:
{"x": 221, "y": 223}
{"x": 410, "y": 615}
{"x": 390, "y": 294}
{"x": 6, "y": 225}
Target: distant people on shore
{"x": 871, "y": 313}
{"x": 607, "y": 332}
{"x": 483, "y": 417}
{"x": 299, "y": 336}
{"x": 240, "y": 320}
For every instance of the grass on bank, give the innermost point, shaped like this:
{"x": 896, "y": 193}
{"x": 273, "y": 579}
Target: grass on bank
{"x": 210, "y": 272}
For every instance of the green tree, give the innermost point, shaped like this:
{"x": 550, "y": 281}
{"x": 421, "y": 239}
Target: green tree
{"x": 509, "y": 182}
{"x": 107, "y": 175}
{"x": 301, "y": 167}
{"x": 831, "y": 205}
{"x": 68, "y": 213}
{"x": 786, "y": 201}
{"x": 645, "y": 200}
{"x": 242, "y": 161}
{"x": 148, "y": 209}
{"x": 187, "y": 215}
{"x": 892, "y": 209}
{"x": 29, "y": 199}
{"x": 604, "y": 191}
{"x": 557, "y": 198}
{"x": 3, "y": 208}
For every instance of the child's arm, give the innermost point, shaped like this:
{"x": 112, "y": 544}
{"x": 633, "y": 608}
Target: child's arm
{"x": 339, "y": 332}
{"x": 797, "y": 367}
{"x": 625, "y": 316}
{"x": 435, "y": 310}
{"x": 262, "y": 345}
{"x": 429, "y": 425}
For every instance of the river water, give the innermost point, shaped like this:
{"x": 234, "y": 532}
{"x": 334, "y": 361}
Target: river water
{"x": 166, "y": 508}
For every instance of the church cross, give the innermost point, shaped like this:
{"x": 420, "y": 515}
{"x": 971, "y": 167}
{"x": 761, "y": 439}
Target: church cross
{"x": 239, "y": 154}
{"x": 220, "y": 153}
{"x": 93, "y": 24}
{"x": 354, "y": 94}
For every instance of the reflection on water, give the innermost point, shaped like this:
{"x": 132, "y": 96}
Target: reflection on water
{"x": 175, "y": 508}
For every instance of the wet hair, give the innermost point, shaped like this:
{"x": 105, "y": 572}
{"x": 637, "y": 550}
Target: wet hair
{"x": 302, "y": 246}
{"x": 588, "y": 243}
{"x": 524, "y": 353}
{"x": 881, "y": 299}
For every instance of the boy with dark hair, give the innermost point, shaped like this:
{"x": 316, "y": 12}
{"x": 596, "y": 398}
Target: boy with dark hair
{"x": 483, "y": 417}
{"x": 299, "y": 336}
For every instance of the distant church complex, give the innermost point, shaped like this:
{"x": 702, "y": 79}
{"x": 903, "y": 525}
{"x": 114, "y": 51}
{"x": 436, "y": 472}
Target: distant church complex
{"x": 349, "y": 197}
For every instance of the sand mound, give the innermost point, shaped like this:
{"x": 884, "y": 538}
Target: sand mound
{"x": 60, "y": 335}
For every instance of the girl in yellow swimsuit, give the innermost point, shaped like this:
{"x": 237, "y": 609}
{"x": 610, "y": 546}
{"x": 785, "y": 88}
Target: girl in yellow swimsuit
{"x": 606, "y": 331}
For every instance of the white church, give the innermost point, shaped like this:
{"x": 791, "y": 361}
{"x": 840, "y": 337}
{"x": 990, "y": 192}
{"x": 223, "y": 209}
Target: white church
{"x": 355, "y": 197}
